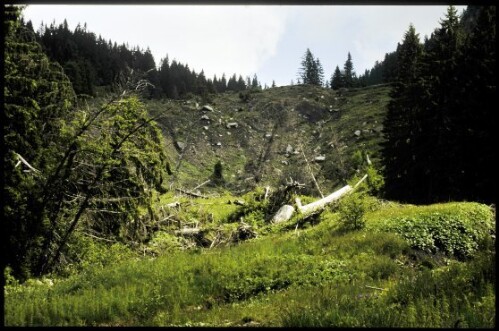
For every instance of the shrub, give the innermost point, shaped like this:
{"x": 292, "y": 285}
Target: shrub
{"x": 352, "y": 209}
{"x": 456, "y": 229}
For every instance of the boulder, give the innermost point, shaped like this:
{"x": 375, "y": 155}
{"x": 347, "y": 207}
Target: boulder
{"x": 283, "y": 214}
{"x": 289, "y": 149}
{"x": 320, "y": 158}
{"x": 180, "y": 145}
{"x": 207, "y": 108}
{"x": 232, "y": 125}
{"x": 357, "y": 133}
{"x": 205, "y": 117}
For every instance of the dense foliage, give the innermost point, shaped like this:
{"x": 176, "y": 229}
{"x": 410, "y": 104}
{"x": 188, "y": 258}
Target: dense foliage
{"x": 69, "y": 167}
{"x": 90, "y": 61}
{"x": 438, "y": 128}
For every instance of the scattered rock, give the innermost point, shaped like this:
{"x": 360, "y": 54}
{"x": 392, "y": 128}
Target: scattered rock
{"x": 180, "y": 145}
{"x": 320, "y": 158}
{"x": 207, "y": 108}
{"x": 175, "y": 204}
{"x": 232, "y": 125}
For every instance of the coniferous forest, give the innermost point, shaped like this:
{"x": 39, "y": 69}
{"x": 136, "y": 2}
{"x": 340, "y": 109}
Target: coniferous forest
{"x": 138, "y": 193}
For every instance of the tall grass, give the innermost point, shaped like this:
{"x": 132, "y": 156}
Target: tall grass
{"x": 319, "y": 276}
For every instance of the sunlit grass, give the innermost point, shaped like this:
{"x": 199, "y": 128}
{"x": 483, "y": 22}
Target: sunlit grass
{"x": 320, "y": 275}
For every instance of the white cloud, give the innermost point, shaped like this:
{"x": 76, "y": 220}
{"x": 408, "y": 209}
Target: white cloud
{"x": 243, "y": 39}
{"x": 236, "y": 39}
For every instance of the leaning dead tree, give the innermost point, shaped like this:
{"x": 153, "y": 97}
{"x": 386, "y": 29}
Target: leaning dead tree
{"x": 287, "y": 211}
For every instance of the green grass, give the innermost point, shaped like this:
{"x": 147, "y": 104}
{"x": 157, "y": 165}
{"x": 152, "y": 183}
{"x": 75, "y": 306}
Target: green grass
{"x": 320, "y": 275}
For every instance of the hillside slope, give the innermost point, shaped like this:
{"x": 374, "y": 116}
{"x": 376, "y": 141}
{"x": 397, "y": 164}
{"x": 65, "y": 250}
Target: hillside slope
{"x": 259, "y": 135}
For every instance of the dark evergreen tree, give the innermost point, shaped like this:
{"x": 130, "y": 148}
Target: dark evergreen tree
{"x": 232, "y": 83}
{"x": 254, "y": 82}
{"x": 63, "y": 164}
{"x": 223, "y": 84}
{"x": 439, "y": 126}
{"x": 349, "y": 75}
{"x": 319, "y": 73}
{"x": 475, "y": 149}
{"x": 201, "y": 84}
{"x": 217, "y": 177}
{"x": 37, "y": 97}
{"x": 311, "y": 71}
{"x": 389, "y": 67}
{"x": 336, "y": 79}
{"x": 241, "y": 85}
{"x": 440, "y": 99}
{"x": 400, "y": 129}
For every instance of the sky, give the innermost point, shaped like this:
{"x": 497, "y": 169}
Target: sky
{"x": 269, "y": 41}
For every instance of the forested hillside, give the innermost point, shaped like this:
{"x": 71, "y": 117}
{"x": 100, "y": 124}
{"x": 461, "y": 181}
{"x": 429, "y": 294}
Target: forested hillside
{"x": 133, "y": 192}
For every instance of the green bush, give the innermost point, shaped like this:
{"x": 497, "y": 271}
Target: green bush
{"x": 352, "y": 209}
{"x": 456, "y": 229}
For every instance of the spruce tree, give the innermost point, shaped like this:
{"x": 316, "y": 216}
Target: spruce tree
{"x": 349, "y": 80}
{"x": 400, "y": 130}
{"x": 473, "y": 126}
{"x": 336, "y": 79}
{"x": 311, "y": 71}
{"x": 319, "y": 73}
{"x": 217, "y": 177}
{"x": 441, "y": 99}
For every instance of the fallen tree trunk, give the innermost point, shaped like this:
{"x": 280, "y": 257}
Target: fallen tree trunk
{"x": 187, "y": 232}
{"x": 191, "y": 193}
{"x": 319, "y": 204}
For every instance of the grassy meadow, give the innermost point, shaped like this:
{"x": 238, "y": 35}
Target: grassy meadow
{"x": 409, "y": 266}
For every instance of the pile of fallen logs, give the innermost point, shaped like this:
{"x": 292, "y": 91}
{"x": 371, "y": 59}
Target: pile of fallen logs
{"x": 287, "y": 211}
{"x": 277, "y": 213}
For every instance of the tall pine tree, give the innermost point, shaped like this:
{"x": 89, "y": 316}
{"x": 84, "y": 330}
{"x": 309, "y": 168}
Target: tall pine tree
{"x": 349, "y": 76}
{"x": 311, "y": 71}
{"x": 336, "y": 79}
{"x": 400, "y": 129}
